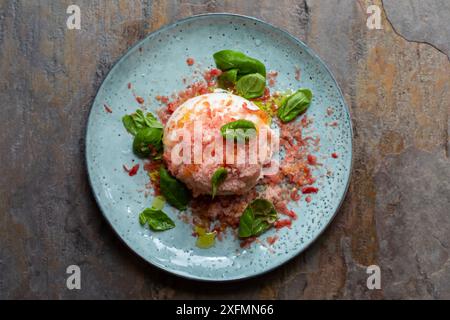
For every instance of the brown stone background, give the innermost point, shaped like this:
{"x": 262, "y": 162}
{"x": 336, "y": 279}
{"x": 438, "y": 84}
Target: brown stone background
{"x": 396, "y": 214}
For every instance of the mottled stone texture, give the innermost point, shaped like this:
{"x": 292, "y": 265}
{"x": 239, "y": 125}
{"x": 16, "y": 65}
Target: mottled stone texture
{"x": 396, "y": 214}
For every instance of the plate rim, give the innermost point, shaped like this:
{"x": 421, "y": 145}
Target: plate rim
{"x": 296, "y": 253}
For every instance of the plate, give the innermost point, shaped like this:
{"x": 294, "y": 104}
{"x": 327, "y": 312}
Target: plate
{"x": 156, "y": 66}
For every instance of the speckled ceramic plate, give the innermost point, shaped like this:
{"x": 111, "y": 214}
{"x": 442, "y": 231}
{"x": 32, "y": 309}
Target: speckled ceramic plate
{"x": 155, "y": 66}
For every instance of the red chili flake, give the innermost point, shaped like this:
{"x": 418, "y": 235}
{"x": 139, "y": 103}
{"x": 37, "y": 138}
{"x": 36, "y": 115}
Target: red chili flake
{"x": 271, "y": 76}
{"x": 129, "y": 85}
{"x": 308, "y": 199}
{"x": 282, "y": 208}
{"x": 190, "y": 61}
{"x": 312, "y": 160}
{"x": 297, "y": 73}
{"x": 282, "y": 223}
{"x": 171, "y": 107}
{"x": 272, "y": 240}
{"x": 307, "y": 190}
{"x": 140, "y": 100}
{"x": 247, "y": 242}
{"x": 133, "y": 170}
{"x": 334, "y": 155}
{"x": 216, "y": 72}
{"x": 332, "y": 124}
{"x": 107, "y": 108}
{"x": 294, "y": 194}
{"x": 162, "y": 99}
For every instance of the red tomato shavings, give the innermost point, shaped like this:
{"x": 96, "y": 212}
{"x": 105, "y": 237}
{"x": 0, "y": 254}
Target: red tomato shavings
{"x": 162, "y": 99}
{"x": 190, "y": 61}
{"x": 129, "y": 85}
{"x": 247, "y": 242}
{"x": 272, "y": 240}
{"x": 282, "y": 208}
{"x": 216, "y": 72}
{"x": 107, "y": 108}
{"x": 297, "y": 73}
{"x": 334, "y": 155}
{"x": 133, "y": 170}
{"x": 294, "y": 195}
{"x": 282, "y": 223}
{"x": 308, "y": 199}
{"x": 272, "y": 76}
{"x": 312, "y": 160}
{"x": 140, "y": 100}
{"x": 307, "y": 190}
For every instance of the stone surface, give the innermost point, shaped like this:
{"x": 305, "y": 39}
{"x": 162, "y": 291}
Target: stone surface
{"x": 396, "y": 214}
{"x": 421, "y": 20}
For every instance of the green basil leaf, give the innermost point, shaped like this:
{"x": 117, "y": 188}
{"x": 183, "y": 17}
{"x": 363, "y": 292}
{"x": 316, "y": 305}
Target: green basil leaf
{"x": 157, "y": 220}
{"x": 294, "y": 105}
{"x": 148, "y": 141}
{"x": 264, "y": 209}
{"x": 239, "y": 130}
{"x": 251, "y": 86}
{"x": 137, "y": 121}
{"x": 246, "y": 223}
{"x": 257, "y": 218}
{"x": 228, "y": 78}
{"x": 173, "y": 190}
{"x": 217, "y": 179}
{"x": 152, "y": 122}
{"x": 142, "y": 219}
{"x": 260, "y": 226}
{"x": 228, "y": 59}
{"x": 129, "y": 124}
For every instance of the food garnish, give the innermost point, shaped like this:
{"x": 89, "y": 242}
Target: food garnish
{"x": 239, "y": 130}
{"x": 173, "y": 190}
{"x": 257, "y": 218}
{"x": 294, "y": 105}
{"x": 157, "y": 220}
{"x": 217, "y": 179}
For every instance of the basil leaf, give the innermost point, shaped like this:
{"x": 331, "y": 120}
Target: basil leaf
{"x": 239, "y": 130}
{"x": 157, "y": 220}
{"x": 264, "y": 209}
{"x": 294, "y": 105}
{"x": 251, "y": 86}
{"x": 173, "y": 190}
{"x": 257, "y": 218}
{"x": 151, "y": 121}
{"x": 217, "y": 179}
{"x": 148, "y": 141}
{"x": 229, "y": 59}
{"x": 228, "y": 78}
{"x": 129, "y": 124}
{"x": 137, "y": 121}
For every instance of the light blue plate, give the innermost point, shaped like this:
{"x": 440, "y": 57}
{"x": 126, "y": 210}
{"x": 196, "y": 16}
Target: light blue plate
{"x": 156, "y": 66}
